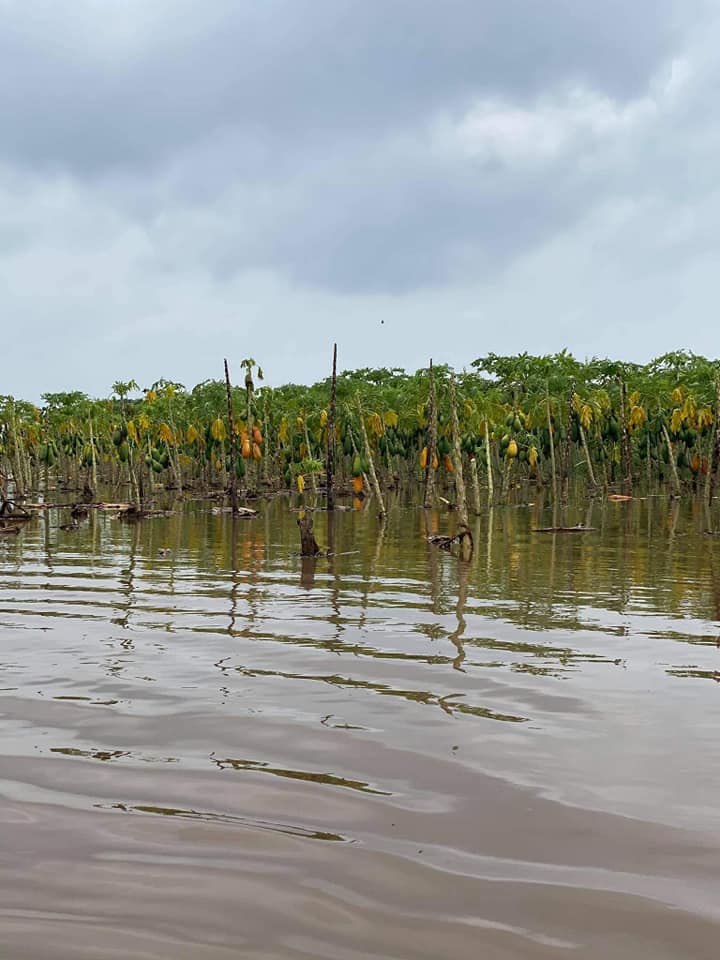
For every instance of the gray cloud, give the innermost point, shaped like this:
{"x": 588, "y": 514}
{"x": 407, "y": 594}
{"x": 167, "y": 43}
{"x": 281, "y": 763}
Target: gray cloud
{"x": 88, "y": 87}
{"x": 179, "y": 181}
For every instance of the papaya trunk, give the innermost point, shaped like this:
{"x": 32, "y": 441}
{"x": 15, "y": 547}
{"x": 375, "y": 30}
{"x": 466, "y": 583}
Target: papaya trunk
{"x": 625, "y": 439}
{"x": 475, "y": 485}
{"x": 673, "y": 465}
{"x": 586, "y": 451}
{"x": 714, "y": 459}
{"x": 93, "y": 459}
{"x": 565, "y": 456}
{"x": 488, "y": 463}
{"x": 313, "y": 478}
{"x": 553, "y": 463}
{"x": 429, "y": 495}
{"x": 330, "y": 455}
{"x": 369, "y": 458}
{"x": 460, "y": 498}
{"x": 233, "y": 443}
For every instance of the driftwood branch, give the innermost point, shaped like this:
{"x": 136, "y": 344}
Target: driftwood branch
{"x": 463, "y": 538}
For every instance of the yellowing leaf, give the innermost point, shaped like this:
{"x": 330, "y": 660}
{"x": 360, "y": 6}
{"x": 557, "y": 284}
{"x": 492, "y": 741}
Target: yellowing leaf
{"x": 132, "y": 431}
{"x": 217, "y": 429}
{"x": 192, "y": 434}
{"x": 166, "y": 433}
{"x": 375, "y": 424}
{"x": 689, "y": 408}
{"x": 704, "y": 417}
{"x": 300, "y": 482}
{"x": 676, "y": 420}
{"x": 637, "y": 417}
{"x": 390, "y": 418}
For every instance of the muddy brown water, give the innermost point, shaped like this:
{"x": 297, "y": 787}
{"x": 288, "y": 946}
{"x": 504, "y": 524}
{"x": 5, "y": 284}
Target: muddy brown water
{"x": 220, "y": 751}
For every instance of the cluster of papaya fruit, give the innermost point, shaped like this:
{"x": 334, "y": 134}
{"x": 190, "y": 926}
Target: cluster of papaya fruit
{"x": 119, "y": 438}
{"x": 443, "y": 453}
{"x": 48, "y": 454}
{"x": 157, "y": 459}
{"x": 360, "y": 466}
{"x": 251, "y": 448}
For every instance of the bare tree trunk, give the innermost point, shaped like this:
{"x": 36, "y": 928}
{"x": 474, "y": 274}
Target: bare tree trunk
{"x": 233, "y": 443}
{"x": 330, "y": 456}
{"x": 460, "y": 498}
{"x": 429, "y": 495}
{"x": 249, "y": 418}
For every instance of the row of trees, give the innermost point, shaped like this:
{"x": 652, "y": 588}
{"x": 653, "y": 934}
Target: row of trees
{"x": 548, "y": 420}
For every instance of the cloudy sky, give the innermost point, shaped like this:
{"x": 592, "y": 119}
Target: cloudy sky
{"x": 181, "y": 182}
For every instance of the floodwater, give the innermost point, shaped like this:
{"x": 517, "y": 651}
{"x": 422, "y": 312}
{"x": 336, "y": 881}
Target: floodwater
{"x": 219, "y": 752}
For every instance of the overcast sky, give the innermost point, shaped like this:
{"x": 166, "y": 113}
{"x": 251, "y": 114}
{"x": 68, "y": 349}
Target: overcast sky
{"x": 184, "y": 181}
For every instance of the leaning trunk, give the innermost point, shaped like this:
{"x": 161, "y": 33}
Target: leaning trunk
{"x": 586, "y": 451}
{"x": 553, "y": 462}
{"x": 369, "y": 457}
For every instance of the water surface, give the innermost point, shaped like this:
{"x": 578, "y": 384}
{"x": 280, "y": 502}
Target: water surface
{"x": 210, "y": 748}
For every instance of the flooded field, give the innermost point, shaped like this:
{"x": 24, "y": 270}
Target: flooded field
{"x": 210, "y": 749}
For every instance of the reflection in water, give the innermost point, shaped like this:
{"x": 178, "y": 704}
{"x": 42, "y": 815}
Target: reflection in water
{"x": 327, "y": 778}
{"x": 207, "y": 817}
{"x": 307, "y": 572}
